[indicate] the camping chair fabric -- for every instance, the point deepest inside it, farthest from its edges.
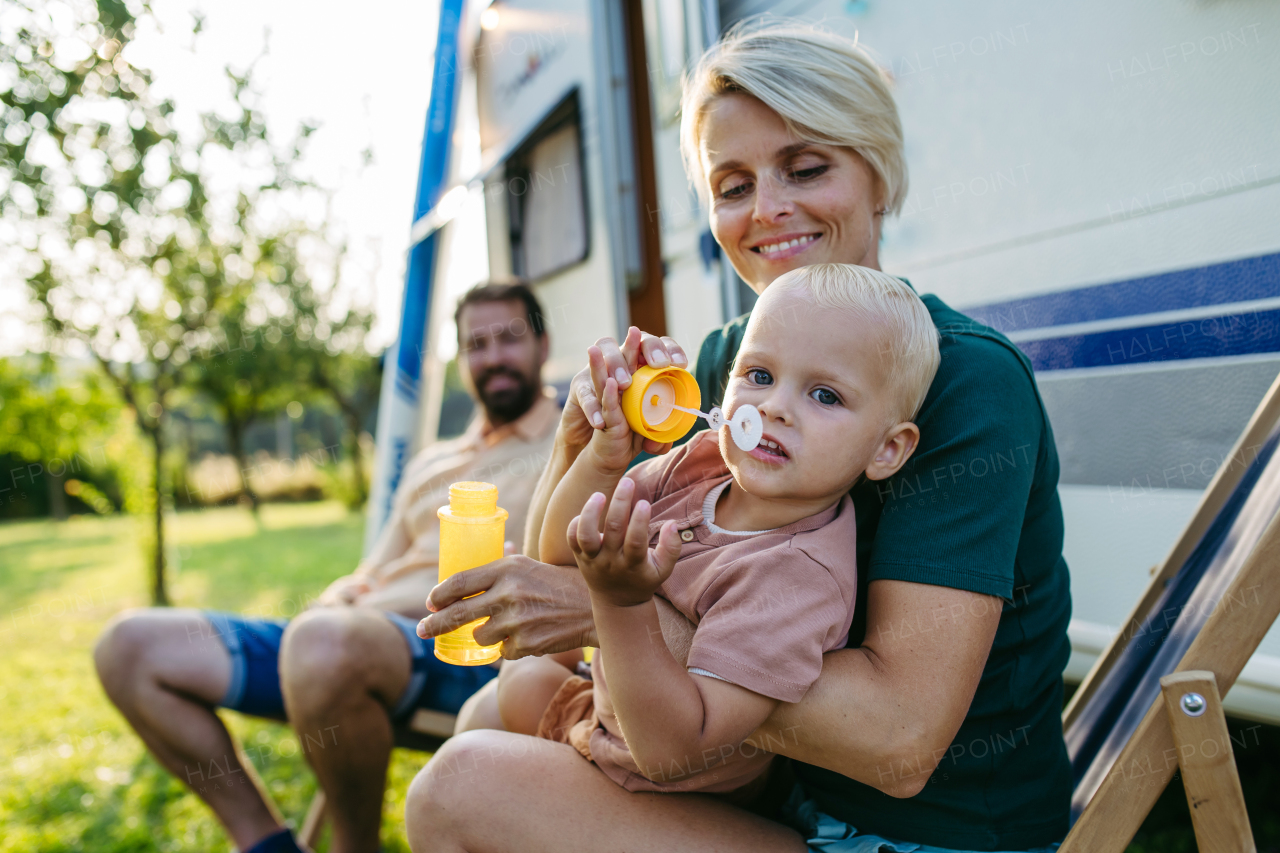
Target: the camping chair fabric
(1132, 685)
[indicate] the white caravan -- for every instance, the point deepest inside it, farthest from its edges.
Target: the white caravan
(1098, 180)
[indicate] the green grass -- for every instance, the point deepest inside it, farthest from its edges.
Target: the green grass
(76, 778)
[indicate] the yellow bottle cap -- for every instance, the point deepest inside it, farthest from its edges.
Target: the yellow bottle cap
(472, 499)
(649, 403)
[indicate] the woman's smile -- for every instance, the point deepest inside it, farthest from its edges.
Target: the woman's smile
(785, 246)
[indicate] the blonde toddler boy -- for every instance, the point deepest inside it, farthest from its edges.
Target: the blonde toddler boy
(755, 548)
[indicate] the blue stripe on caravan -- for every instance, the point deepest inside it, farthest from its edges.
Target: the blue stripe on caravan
(413, 317)
(1232, 334)
(1216, 284)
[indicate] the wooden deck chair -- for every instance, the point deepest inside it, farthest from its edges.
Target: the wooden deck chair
(425, 732)
(1151, 704)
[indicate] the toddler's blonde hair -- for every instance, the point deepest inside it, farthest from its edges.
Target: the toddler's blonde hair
(909, 343)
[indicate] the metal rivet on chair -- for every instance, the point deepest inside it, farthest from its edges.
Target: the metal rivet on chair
(1193, 704)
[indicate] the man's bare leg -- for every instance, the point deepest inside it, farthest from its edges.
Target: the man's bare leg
(165, 670)
(463, 802)
(341, 670)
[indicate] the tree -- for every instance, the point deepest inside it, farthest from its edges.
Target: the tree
(255, 369)
(318, 343)
(133, 255)
(342, 369)
(241, 384)
(56, 425)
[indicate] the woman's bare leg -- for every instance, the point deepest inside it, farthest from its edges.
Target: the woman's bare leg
(487, 791)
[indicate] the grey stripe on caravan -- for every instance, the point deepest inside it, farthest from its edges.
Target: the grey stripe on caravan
(1161, 318)
(1043, 376)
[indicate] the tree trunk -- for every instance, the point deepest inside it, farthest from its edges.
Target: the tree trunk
(57, 492)
(235, 438)
(159, 595)
(357, 459)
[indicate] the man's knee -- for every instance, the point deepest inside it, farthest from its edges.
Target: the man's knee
(122, 649)
(332, 650)
(160, 647)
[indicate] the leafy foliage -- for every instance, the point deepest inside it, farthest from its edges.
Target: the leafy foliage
(60, 427)
(154, 252)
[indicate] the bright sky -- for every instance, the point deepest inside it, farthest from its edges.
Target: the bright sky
(363, 75)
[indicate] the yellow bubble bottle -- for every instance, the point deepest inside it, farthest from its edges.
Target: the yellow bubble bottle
(472, 528)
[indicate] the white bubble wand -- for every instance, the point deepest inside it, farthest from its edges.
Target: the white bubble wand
(745, 427)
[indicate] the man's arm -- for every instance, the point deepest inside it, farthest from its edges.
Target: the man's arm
(406, 594)
(392, 544)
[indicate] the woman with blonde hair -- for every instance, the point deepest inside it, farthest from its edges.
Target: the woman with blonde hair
(937, 729)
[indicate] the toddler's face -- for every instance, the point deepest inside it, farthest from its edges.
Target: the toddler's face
(818, 378)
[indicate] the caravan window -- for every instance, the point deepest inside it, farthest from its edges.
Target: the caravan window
(546, 196)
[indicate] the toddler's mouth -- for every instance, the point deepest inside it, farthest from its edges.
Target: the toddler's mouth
(770, 450)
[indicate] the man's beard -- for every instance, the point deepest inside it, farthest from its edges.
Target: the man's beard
(506, 405)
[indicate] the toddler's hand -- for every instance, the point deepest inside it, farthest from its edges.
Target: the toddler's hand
(618, 565)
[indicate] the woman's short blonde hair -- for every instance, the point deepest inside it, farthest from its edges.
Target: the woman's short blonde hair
(909, 343)
(825, 87)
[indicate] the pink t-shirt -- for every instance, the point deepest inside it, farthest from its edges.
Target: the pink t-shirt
(766, 607)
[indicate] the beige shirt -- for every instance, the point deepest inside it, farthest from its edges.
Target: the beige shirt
(511, 457)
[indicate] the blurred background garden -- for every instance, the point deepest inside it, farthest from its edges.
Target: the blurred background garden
(193, 292)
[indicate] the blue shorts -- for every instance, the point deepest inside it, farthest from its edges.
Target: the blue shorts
(254, 689)
(826, 834)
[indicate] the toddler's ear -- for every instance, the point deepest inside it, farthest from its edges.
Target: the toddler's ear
(899, 443)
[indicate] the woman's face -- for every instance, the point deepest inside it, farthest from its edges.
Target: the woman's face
(779, 203)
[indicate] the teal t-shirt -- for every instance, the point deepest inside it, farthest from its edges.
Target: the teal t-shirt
(975, 508)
